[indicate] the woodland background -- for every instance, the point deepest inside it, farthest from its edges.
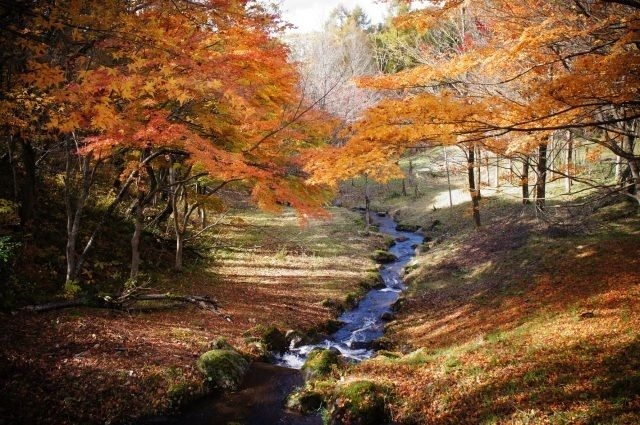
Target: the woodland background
(156, 153)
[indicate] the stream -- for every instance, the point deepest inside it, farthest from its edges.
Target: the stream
(261, 398)
(364, 324)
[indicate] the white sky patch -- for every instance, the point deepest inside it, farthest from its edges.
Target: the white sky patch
(310, 15)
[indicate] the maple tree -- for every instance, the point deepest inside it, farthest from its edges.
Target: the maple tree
(205, 80)
(509, 76)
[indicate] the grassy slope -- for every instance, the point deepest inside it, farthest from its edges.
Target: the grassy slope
(92, 366)
(518, 322)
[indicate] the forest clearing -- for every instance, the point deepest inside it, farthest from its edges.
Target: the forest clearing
(206, 218)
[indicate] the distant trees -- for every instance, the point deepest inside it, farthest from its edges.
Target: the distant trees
(514, 79)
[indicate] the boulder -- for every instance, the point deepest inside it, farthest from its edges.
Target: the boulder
(223, 369)
(407, 228)
(294, 338)
(360, 403)
(387, 316)
(320, 362)
(305, 401)
(383, 257)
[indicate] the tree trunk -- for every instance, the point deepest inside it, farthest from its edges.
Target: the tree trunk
(446, 167)
(11, 147)
(475, 193)
(496, 177)
(367, 203)
(568, 182)
(404, 187)
(541, 181)
(478, 168)
(137, 236)
(28, 201)
(75, 203)
(524, 181)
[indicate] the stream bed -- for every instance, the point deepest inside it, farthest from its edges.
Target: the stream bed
(261, 398)
(364, 324)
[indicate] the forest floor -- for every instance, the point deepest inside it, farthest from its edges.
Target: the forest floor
(90, 366)
(531, 319)
(525, 320)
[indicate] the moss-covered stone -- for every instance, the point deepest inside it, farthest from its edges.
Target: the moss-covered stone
(220, 343)
(372, 280)
(383, 257)
(320, 362)
(258, 351)
(223, 369)
(360, 403)
(275, 340)
(273, 337)
(305, 401)
(407, 228)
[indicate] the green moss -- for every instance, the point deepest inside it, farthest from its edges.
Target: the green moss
(361, 403)
(320, 363)
(383, 257)
(273, 337)
(305, 401)
(223, 369)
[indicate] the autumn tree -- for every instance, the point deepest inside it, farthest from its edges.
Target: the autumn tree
(208, 80)
(512, 75)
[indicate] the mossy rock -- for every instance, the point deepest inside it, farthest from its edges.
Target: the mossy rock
(305, 401)
(220, 343)
(360, 403)
(372, 280)
(331, 326)
(320, 362)
(273, 337)
(383, 257)
(407, 228)
(259, 351)
(223, 369)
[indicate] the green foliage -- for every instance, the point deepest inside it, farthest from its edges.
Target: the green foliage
(8, 252)
(72, 289)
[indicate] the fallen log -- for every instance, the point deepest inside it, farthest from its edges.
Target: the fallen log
(125, 302)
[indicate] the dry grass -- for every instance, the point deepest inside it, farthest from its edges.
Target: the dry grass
(519, 322)
(96, 366)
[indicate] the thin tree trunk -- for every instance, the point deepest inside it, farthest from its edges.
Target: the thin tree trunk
(524, 181)
(12, 164)
(28, 200)
(478, 168)
(475, 198)
(542, 176)
(634, 166)
(568, 182)
(446, 167)
(137, 236)
(75, 204)
(496, 177)
(367, 203)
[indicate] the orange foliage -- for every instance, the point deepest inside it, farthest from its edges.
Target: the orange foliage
(498, 71)
(207, 77)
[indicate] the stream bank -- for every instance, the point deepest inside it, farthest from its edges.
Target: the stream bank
(262, 396)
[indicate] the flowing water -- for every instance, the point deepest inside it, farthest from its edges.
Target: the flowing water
(260, 400)
(364, 324)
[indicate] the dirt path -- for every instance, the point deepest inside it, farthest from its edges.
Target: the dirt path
(260, 401)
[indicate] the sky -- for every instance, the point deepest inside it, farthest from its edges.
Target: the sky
(310, 15)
